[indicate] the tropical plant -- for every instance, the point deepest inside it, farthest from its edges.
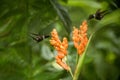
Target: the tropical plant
(21, 58)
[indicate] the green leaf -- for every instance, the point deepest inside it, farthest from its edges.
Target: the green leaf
(84, 3)
(46, 53)
(62, 13)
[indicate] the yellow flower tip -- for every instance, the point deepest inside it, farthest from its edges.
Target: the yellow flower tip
(74, 27)
(65, 39)
(65, 43)
(54, 30)
(84, 22)
(83, 27)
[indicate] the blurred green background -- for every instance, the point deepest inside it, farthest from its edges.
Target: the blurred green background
(21, 58)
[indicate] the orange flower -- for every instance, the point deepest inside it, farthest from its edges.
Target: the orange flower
(61, 48)
(80, 37)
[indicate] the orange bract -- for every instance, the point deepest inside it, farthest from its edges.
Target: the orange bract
(80, 37)
(61, 47)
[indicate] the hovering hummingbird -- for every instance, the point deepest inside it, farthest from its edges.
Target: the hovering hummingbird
(98, 15)
(38, 37)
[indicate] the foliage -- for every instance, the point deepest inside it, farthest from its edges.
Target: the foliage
(21, 58)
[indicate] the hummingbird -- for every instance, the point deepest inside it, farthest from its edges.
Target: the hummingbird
(39, 38)
(98, 15)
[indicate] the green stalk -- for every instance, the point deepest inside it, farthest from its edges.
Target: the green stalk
(80, 62)
(71, 73)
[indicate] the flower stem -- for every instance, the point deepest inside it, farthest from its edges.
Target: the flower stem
(78, 67)
(71, 73)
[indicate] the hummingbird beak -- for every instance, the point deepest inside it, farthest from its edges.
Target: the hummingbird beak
(35, 37)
